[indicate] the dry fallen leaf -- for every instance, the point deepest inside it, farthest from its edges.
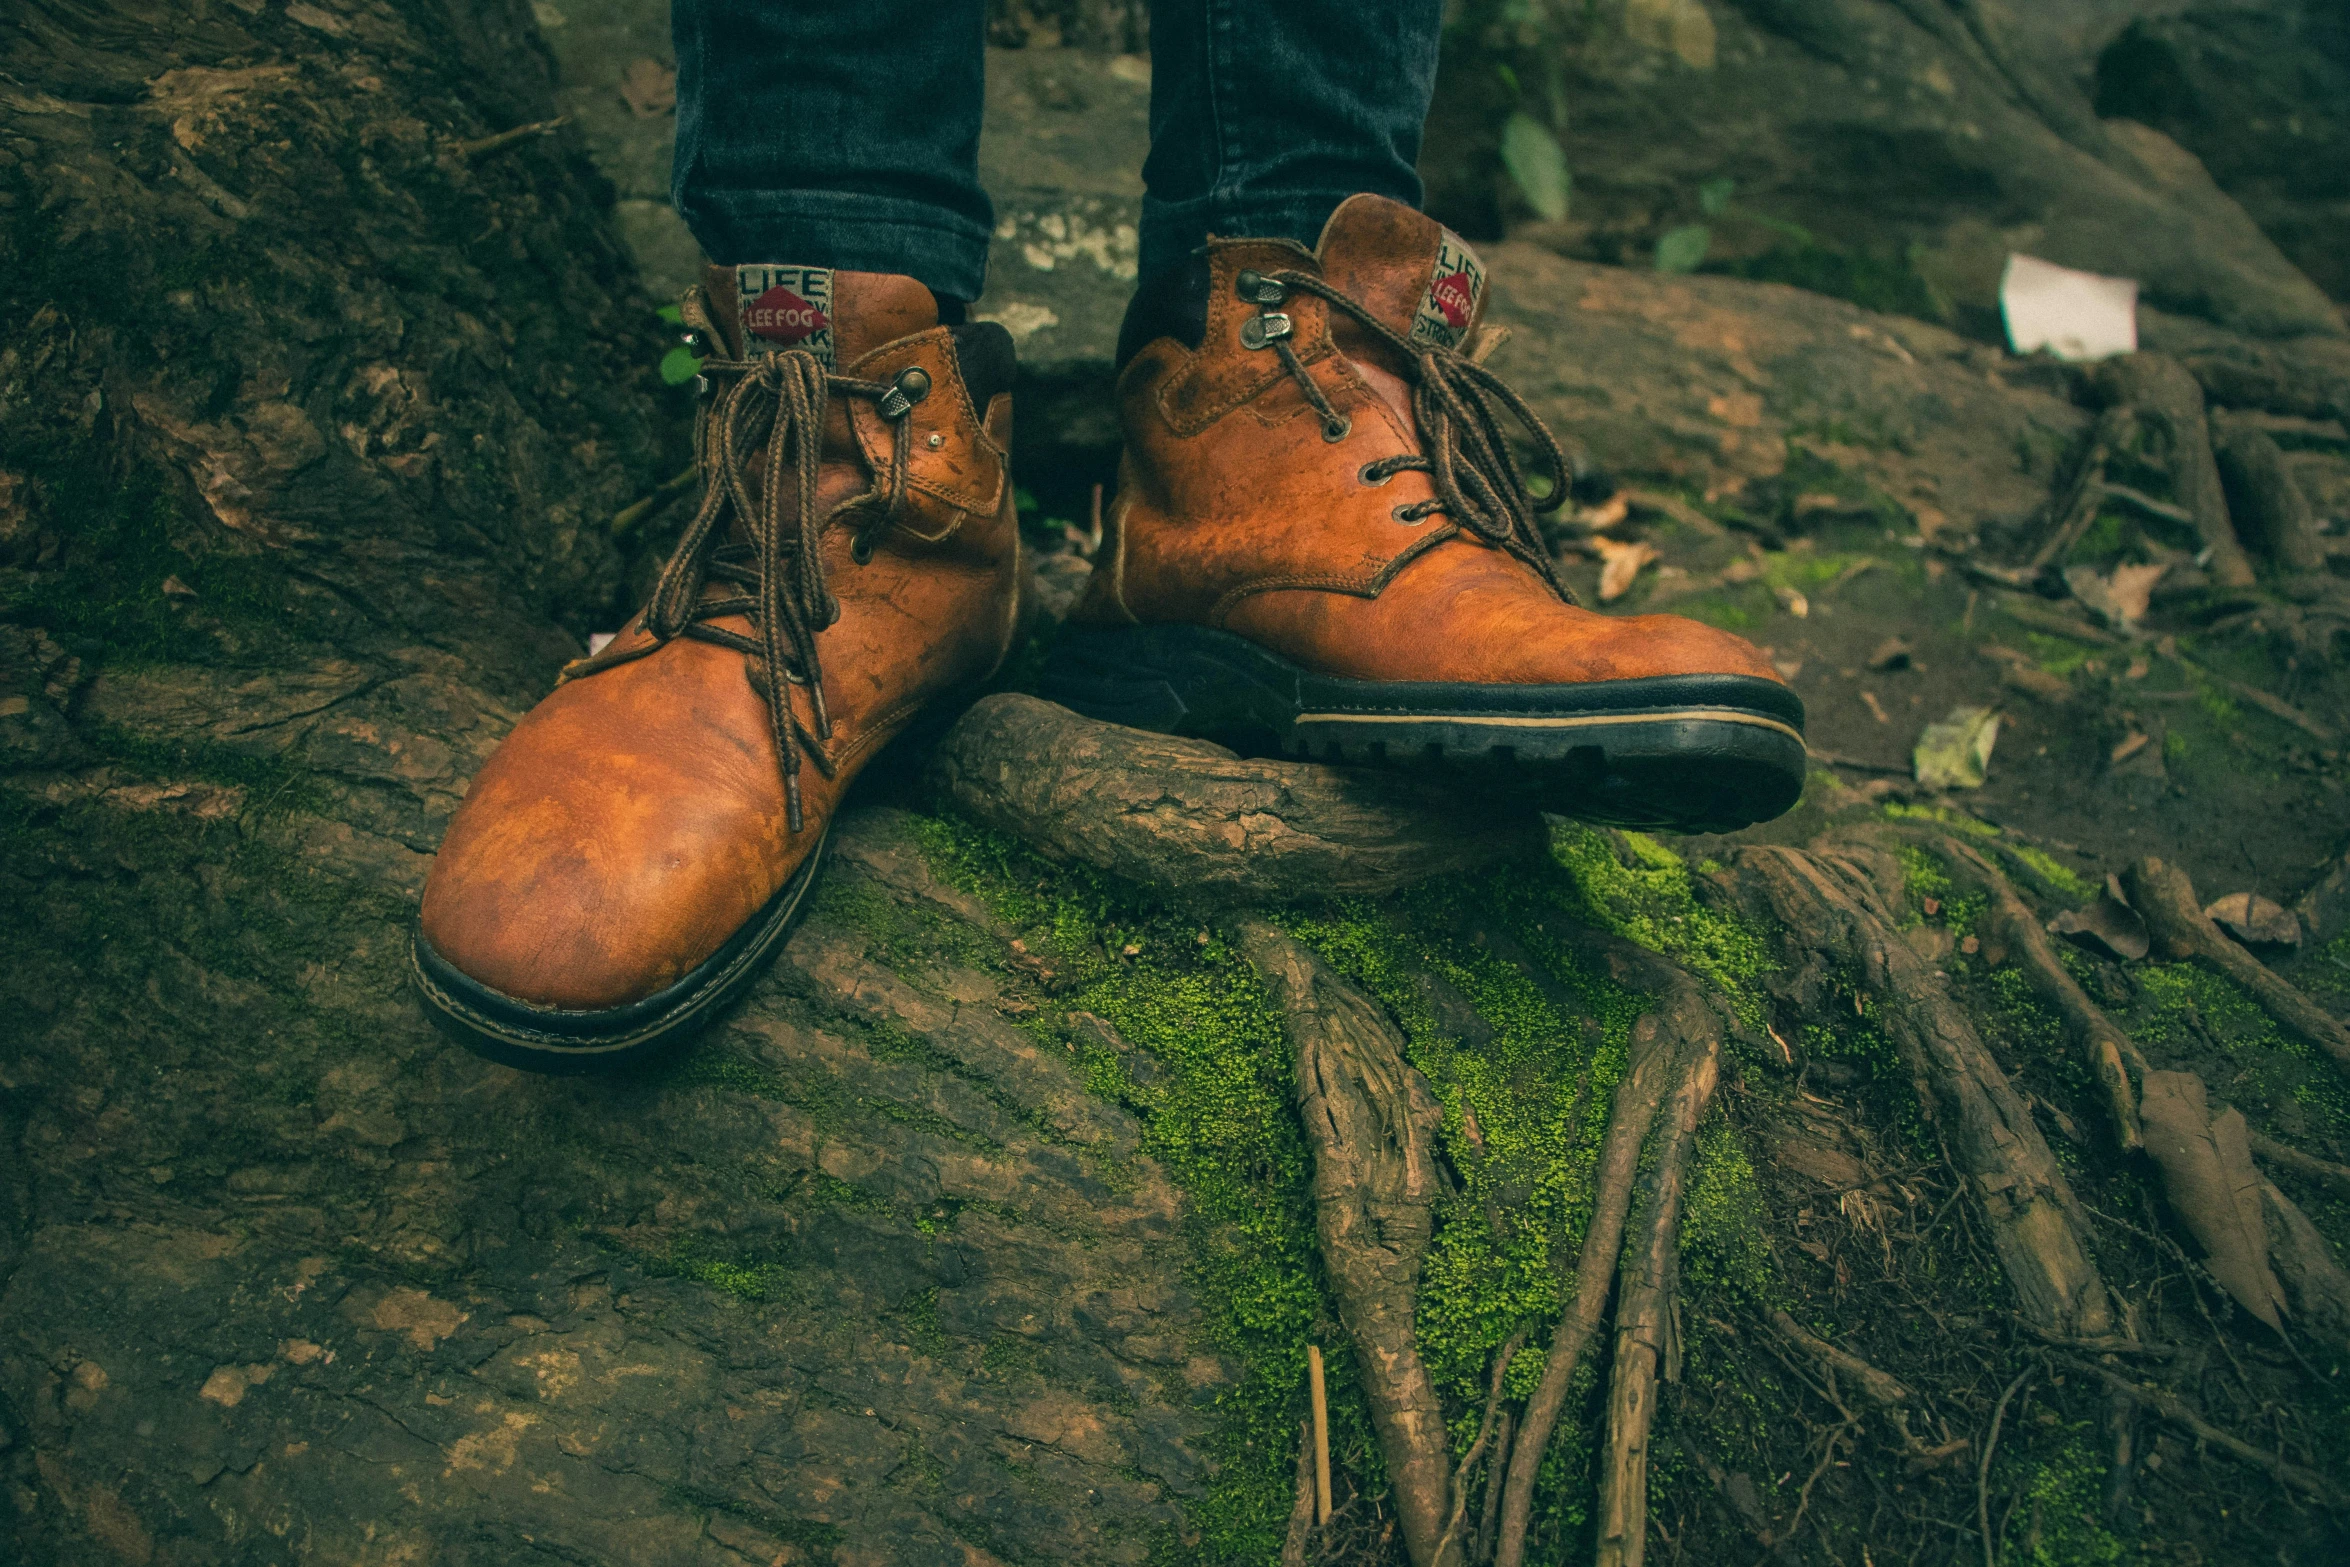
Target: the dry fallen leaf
(2130, 745)
(2119, 598)
(2206, 1164)
(1892, 653)
(1876, 708)
(1622, 565)
(2109, 926)
(650, 88)
(173, 588)
(1607, 513)
(2255, 921)
(1792, 602)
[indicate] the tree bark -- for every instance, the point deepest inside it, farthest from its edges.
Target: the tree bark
(2261, 492)
(1204, 824)
(1371, 1123)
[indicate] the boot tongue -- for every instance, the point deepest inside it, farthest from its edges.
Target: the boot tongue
(837, 316)
(1417, 276)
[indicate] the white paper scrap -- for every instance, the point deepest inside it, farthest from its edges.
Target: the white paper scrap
(599, 640)
(2074, 315)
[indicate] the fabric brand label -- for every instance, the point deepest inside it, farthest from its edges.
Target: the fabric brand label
(786, 307)
(1454, 287)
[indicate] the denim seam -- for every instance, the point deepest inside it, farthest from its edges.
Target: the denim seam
(1231, 154)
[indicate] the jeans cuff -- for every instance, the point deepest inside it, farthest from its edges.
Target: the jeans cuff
(1171, 231)
(848, 231)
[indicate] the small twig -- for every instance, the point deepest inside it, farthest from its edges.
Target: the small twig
(637, 511)
(2293, 1159)
(1460, 1476)
(1786, 1536)
(2182, 1414)
(1854, 764)
(1885, 1391)
(473, 151)
(2079, 506)
(1983, 1470)
(1301, 1514)
(1321, 1398)
(2121, 1420)
(2278, 708)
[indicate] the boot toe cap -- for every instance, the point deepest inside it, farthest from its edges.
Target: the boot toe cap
(571, 890)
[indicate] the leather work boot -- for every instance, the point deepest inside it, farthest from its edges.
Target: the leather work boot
(639, 846)
(1322, 545)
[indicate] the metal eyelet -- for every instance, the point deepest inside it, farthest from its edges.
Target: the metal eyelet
(1415, 517)
(937, 440)
(911, 386)
(1364, 474)
(1259, 289)
(861, 550)
(1338, 429)
(1258, 331)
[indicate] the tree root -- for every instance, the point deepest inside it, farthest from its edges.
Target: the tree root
(1371, 1123)
(2180, 1413)
(2164, 896)
(1887, 1392)
(1672, 1048)
(1644, 1319)
(2014, 927)
(2335, 1175)
(1468, 1463)
(1835, 906)
(1202, 823)
(2161, 392)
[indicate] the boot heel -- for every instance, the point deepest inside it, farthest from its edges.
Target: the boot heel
(1115, 677)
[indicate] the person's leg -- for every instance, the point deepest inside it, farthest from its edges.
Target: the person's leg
(1264, 119)
(830, 135)
(1324, 537)
(644, 839)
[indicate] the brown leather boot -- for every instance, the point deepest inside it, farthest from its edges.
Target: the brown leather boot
(1321, 544)
(641, 843)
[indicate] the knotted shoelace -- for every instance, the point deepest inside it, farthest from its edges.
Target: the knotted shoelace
(1465, 450)
(772, 569)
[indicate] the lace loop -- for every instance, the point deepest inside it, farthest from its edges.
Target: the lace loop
(1466, 450)
(762, 552)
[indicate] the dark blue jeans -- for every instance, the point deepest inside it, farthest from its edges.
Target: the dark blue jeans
(845, 133)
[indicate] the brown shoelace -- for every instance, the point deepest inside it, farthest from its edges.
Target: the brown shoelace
(772, 568)
(1459, 404)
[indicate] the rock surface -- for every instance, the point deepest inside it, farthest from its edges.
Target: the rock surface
(1911, 146)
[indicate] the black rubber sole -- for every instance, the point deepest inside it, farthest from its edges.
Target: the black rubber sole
(1686, 753)
(544, 1039)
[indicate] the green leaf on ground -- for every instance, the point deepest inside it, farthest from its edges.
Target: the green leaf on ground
(1683, 249)
(1713, 197)
(679, 366)
(1537, 163)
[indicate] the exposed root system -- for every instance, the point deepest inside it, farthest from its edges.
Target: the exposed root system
(2164, 895)
(1836, 927)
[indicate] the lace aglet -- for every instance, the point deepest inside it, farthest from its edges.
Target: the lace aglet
(791, 803)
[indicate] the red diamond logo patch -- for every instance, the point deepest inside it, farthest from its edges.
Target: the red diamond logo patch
(781, 316)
